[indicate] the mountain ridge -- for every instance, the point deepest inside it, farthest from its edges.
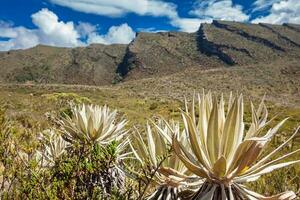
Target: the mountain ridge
(216, 45)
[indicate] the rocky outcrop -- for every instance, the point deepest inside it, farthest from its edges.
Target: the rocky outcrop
(211, 48)
(281, 36)
(159, 54)
(295, 27)
(259, 40)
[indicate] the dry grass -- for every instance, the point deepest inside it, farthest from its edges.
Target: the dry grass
(147, 98)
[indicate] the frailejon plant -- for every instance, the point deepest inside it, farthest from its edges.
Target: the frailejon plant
(93, 124)
(224, 154)
(90, 127)
(54, 146)
(170, 176)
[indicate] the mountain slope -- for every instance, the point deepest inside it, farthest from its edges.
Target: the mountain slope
(280, 81)
(162, 54)
(217, 45)
(92, 65)
(238, 43)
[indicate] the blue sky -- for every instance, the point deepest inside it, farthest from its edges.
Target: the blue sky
(71, 23)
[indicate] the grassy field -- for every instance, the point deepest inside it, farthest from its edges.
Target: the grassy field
(28, 105)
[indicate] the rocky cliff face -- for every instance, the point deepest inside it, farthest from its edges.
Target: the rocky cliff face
(220, 44)
(242, 44)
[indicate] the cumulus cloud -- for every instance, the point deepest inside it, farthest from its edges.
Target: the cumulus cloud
(85, 29)
(18, 38)
(260, 5)
(116, 8)
(122, 34)
(51, 31)
(219, 9)
(208, 10)
(285, 11)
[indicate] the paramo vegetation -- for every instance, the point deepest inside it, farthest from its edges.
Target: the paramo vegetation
(88, 151)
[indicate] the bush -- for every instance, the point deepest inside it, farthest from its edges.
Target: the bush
(117, 79)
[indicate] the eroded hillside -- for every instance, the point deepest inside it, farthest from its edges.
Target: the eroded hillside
(217, 45)
(92, 65)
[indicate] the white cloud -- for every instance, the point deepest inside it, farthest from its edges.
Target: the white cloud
(208, 10)
(6, 31)
(122, 34)
(5, 24)
(285, 11)
(116, 8)
(151, 30)
(219, 9)
(260, 5)
(84, 29)
(189, 24)
(51, 31)
(18, 38)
